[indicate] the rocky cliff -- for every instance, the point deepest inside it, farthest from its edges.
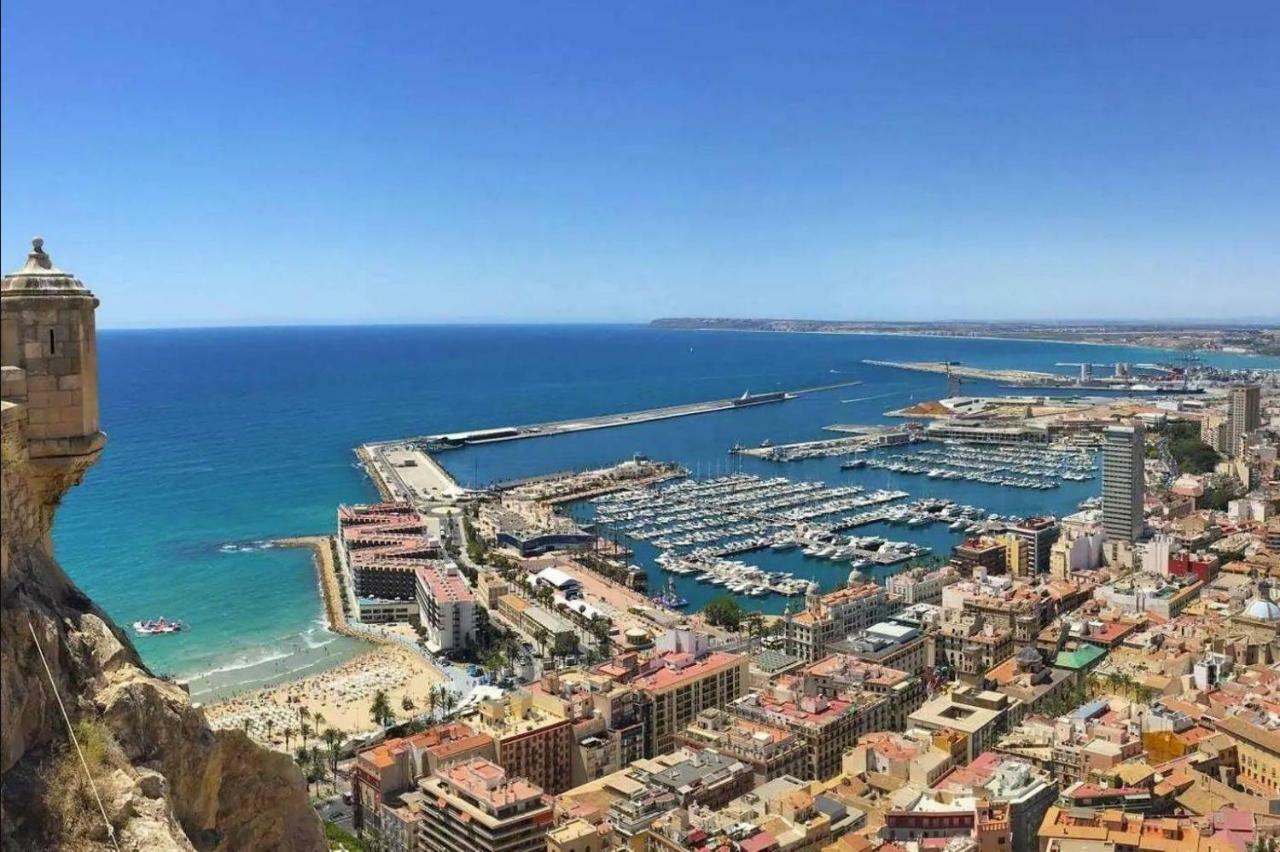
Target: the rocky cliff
(165, 779)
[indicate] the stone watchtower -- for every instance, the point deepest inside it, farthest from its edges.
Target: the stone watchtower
(49, 355)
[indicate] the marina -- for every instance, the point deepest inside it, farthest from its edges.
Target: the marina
(1025, 467)
(696, 525)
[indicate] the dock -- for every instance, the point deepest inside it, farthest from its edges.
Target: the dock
(856, 438)
(608, 421)
(1017, 378)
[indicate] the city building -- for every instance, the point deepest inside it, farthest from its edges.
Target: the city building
(1024, 792)
(1258, 751)
(1244, 416)
(898, 643)
(576, 835)
(970, 645)
(1152, 593)
(552, 629)
(987, 553)
(533, 537)
(1123, 486)
(475, 806)
(1026, 678)
(920, 585)
(675, 686)
(1037, 536)
(380, 547)
(1089, 829)
(981, 716)
(529, 742)
(840, 673)
(909, 756)
(607, 717)
(446, 608)
(770, 751)
(831, 618)
(1215, 431)
(827, 726)
(394, 766)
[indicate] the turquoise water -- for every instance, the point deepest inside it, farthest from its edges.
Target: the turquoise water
(221, 440)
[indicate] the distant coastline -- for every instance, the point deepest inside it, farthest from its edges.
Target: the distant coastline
(1261, 340)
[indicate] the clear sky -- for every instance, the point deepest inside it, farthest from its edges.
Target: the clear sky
(204, 163)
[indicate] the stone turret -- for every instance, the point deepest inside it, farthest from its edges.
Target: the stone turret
(167, 781)
(49, 355)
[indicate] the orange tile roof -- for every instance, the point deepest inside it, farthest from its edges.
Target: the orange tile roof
(666, 677)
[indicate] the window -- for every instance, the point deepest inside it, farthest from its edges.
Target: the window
(51, 344)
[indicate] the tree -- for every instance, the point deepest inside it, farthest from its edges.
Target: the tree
(332, 739)
(271, 723)
(406, 703)
(540, 635)
(303, 715)
(380, 709)
(288, 734)
(565, 644)
(599, 629)
(724, 612)
(755, 625)
(305, 730)
(493, 661)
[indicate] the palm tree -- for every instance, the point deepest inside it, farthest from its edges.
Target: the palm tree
(433, 699)
(316, 769)
(450, 702)
(244, 723)
(406, 703)
(380, 709)
(541, 636)
(303, 715)
(305, 730)
(317, 719)
(755, 626)
(288, 734)
(271, 723)
(332, 739)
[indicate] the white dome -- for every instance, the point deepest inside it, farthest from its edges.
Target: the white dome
(1260, 610)
(855, 577)
(814, 588)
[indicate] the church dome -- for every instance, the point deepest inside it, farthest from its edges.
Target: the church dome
(855, 577)
(1262, 610)
(814, 588)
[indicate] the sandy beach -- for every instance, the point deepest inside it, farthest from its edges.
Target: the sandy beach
(340, 696)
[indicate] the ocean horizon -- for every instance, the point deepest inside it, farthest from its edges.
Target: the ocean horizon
(223, 440)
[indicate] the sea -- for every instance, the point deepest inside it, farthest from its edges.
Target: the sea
(221, 441)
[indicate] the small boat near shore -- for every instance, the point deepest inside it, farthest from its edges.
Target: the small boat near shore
(157, 626)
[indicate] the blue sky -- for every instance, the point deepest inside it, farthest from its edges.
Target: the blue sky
(213, 163)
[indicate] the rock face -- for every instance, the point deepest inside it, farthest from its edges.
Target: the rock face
(165, 779)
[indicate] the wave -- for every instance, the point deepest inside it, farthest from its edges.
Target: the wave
(255, 682)
(241, 663)
(246, 546)
(306, 639)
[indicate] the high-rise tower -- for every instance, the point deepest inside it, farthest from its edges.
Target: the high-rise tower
(1122, 482)
(1244, 415)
